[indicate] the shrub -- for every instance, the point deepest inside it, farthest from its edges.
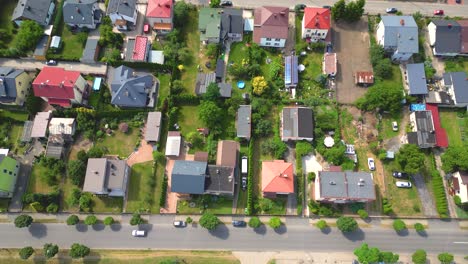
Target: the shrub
(189, 220)
(419, 227)
(91, 220)
(311, 177)
(346, 224)
(255, 222)
(457, 200)
(50, 250)
(445, 258)
(162, 198)
(363, 213)
(73, 220)
(52, 208)
(250, 186)
(209, 221)
(23, 221)
(275, 222)
(136, 219)
(26, 252)
(108, 221)
(321, 224)
(399, 225)
(387, 207)
(79, 251)
(419, 257)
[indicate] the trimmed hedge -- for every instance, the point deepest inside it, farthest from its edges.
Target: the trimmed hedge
(185, 99)
(250, 198)
(144, 65)
(438, 190)
(162, 199)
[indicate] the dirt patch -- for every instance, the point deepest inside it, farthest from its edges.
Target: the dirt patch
(81, 143)
(351, 43)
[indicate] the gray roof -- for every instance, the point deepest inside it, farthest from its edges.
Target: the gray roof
(55, 146)
(448, 36)
(78, 11)
(244, 118)
(41, 46)
(347, 185)
(298, 122)
(32, 9)
(188, 177)
(220, 180)
(41, 122)
(129, 90)
(416, 78)
(89, 52)
(203, 81)
(231, 22)
(124, 7)
(106, 176)
(27, 129)
(424, 137)
(95, 176)
(220, 66)
(8, 84)
(130, 48)
(401, 32)
(117, 177)
(459, 82)
(153, 126)
(225, 89)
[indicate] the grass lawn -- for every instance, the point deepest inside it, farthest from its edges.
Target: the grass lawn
(5, 18)
(4, 205)
(138, 188)
(222, 206)
(119, 143)
(107, 204)
(18, 116)
(348, 129)
(279, 206)
(72, 45)
(461, 213)
(386, 130)
(451, 123)
(36, 185)
(66, 187)
(164, 80)
(94, 98)
(396, 77)
(190, 31)
(459, 64)
(188, 119)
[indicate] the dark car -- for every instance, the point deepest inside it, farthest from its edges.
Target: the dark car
(239, 223)
(225, 3)
(399, 174)
(300, 7)
(327, 7)
(244, 183)
(329, 48)
(391, 10)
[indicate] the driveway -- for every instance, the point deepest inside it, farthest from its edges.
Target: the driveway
(428, 204)
(291, 204)
(291, 41)
(171, 197)
(437, 62)
(144, 153)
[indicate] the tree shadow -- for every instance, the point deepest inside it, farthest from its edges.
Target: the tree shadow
(357, 235)
(367, 220)
(147, 227)
(221, 232)
(98, 227)
(403, 232)
(326, 230)
(194, 225)
(93, 258)
(38, 230)
(116, 227)
(261, 230)
(422, 233)
(81, 227)
(281, 230)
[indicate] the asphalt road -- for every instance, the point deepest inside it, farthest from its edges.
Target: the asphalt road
(297, 235)
(32, 65)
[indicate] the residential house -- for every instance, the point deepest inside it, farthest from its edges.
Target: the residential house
(459, 185)
(173, 143)
(297, 123)
(227, 152)
(330, 64)
(364, 78)
(444, 37)
(440, 133)
(225, 90)
(40, 11)
(316, 23)
(209, 20)
(123, 13)
(14, 86)
(91, 51)
(160, 14)
(105, 176)
(203, 81)
(344, 187)
(138, 49)
(82, 13)
(415, 79)
(132, 90)
(220, 180)
(153, 127)
(456, 84)
(277, 178)
(9, 168)
(271, 26)
(291, 73)
(398, 35)
(232, 25)
(220, 69)
(65, 127)
(40, 124)
(244, 121)
(188, 177)
(464, 36)
(422, 129)
(60, 87)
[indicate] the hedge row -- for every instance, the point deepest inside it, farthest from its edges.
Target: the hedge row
(62, 57)
(439, 190)
(186, 99)
(162, 199)
(58, 18)
(250, 187)
(144, 65)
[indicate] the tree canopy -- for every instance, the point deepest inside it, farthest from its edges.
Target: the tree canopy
(108, 220)
(259, 85)
(136, 219)
(26, 252)
(29, 33)
(445, 258)
(209, 221)
(79, 250)
(346, 224)
(384, 97)
(23, 221)
(455, 158)
(399, 225)
(73, 220)
(210, 114)
(419, 257)
(410, 158)
(255, 222)
(275, 222)
(76, 171)
(50, 250)
(367, 254)
(212, 92)
(91, 220)
(350, 12)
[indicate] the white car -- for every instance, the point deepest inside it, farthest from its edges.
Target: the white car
(138, 233)
(180, 224)
(403, 184)
(395, 126)
(371, 164)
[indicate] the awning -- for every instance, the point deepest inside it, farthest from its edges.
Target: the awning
(329, 142)
(61, 102)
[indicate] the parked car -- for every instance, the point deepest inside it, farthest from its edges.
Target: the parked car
(51, 62)
(402, 184)
(225, 3)
(439, 12)
(399, 174)
(138, 233)
(371, 164)
(394, 126)
(458, 1)
(180, 224)
(244, 183)
(391, 10)
(327, 7)
(146, 28)
(300, 7)
(329, 48)
(239, 223)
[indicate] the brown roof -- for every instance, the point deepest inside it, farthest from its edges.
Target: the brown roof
(201, 156)
(329, 60)
(270, 22)
(335, 168)
(227, 153)
(173, 134)
(456, 184)
(364, 77)
(464, 35)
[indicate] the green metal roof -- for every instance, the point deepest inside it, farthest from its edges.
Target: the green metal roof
(209, 21)
(8, 173)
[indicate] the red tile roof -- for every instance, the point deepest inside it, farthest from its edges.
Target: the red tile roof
(440, 133)
(464, 35)
(139, 51)
(277, 177)
(159, 8)
(271, 22)
(317, 18)
(55, 82)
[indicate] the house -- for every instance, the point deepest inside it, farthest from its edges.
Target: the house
(82, 13)
(464, 36)
(60, 87)
(153, 127)
(440, 133)
(209, 20)
(188, 177)
(423, 131)
(459, 185)
(244, 121)
(364, 78)
(14, 86)
(138, 49)
(220, 69)
(123, 13)
(64, 127)
(456, 84)
(277, 178)
(160, 14)
(91, 51)
(232, 25)
(271, 26)
(220, 180)
(227, 152)
(203, 81)
(291, 73)
(105, 176)
(445, 37)
(40, 11)
(316, 23)
(225, 90)
(132, 90)
(297, 123)
(9, 168)
(398, 35)
(329, 64)
(173, 143)
(344, 187)
(40, 124)
(415, 79)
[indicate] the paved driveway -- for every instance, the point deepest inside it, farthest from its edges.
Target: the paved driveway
(428, 204)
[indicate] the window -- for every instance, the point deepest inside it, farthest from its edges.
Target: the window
(268, 39)
(268, 43)
(276, 44)
(277, 39)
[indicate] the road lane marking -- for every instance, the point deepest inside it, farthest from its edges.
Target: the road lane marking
(459, 242)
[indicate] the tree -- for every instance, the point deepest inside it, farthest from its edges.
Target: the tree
(321, 224)
(76, 171)
(29, 33)
(195, 138)
(259, 85)
(255, 222)
(95, 152)
(354, 10)
(210, 114)
(399, 225)
(85, 201)
(212, 50)
(50, 250)
(108, 221)
(266, 204)
(338, 10)
(389, 257)
(346, 224)
(136, 219)
(363, 213)
(410, 158)
(419, 257)
(214, 3)
(91, 220)
(383, 69)
(23, 221)
(209, 221)
(189, 220)
(26, 252)
(445, 258)
(52, 208)
(33, 104)
(177, 87)
(367, 254)
(181, 9)
(419, 227)
(275, 222)
(79, 250)
(73, 220)
(74, 198)
(381, 96)
(263, 128)
(455, 158)
(212, 92)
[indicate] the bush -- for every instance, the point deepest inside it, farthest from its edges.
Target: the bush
(346, 224)
(162, 198)
(275, 222)
(23, 221)
(52, 208)
(108, 221)
(255, 222)
(321, 224)
(250, 185)
(419, 227)
(50, 250)
(209, 221)
(387, 207)
(26, 252)
(73, 220)
(419, 257)
(311, 177)
(399, 225)
(85, 201)
(363, 213)
(136, 220)
(457, 200)
(189, 220)
(91, 220)
(79, 251)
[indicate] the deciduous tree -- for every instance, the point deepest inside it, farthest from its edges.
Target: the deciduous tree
(275, 222)
(79, 250)
(136, 219)
(419, 257)
(23, 221)
(445, 258)
(455, 158)
(346, 224)
(73, 220)
(410, 158)
(209, 221)
(255, 222)
(50, 250)
(29, 33)
(91, 220)
(259, 85)
(108, 221)
(26, 252)
(399, 225)
(210, 114)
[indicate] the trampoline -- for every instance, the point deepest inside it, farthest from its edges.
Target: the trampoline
(241, 84)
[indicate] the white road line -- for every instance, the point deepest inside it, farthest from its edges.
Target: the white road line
(458, 242)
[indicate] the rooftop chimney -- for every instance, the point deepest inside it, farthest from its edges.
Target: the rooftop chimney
(402, 22)
(332, 183)
(282, 13)
(449, 26)
(77, 10)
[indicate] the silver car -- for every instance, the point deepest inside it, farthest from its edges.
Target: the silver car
(403, 184)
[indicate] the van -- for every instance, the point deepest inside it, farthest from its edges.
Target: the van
(244, 166)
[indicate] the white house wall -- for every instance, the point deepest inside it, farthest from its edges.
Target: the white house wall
(272, 42)
(431, 28)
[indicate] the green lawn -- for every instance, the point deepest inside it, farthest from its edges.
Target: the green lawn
(18, 116)
(279, 206)
(222, 206)
(190, 32)
(94, 98)
(4, 205)
(5, 19)
(36, 185)
(461, 213)
(451, 123)
(138, 188)
(66, 188)
(188, 119)
(119, 143)
(107, 204)
(454, 65)
(164, 80)
(386, 130)
(72, 43)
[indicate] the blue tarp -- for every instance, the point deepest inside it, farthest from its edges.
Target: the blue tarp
(97, 84)
(417, 107)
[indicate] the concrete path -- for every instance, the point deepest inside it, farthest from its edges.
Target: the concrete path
(144, 153)
(427, 202)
